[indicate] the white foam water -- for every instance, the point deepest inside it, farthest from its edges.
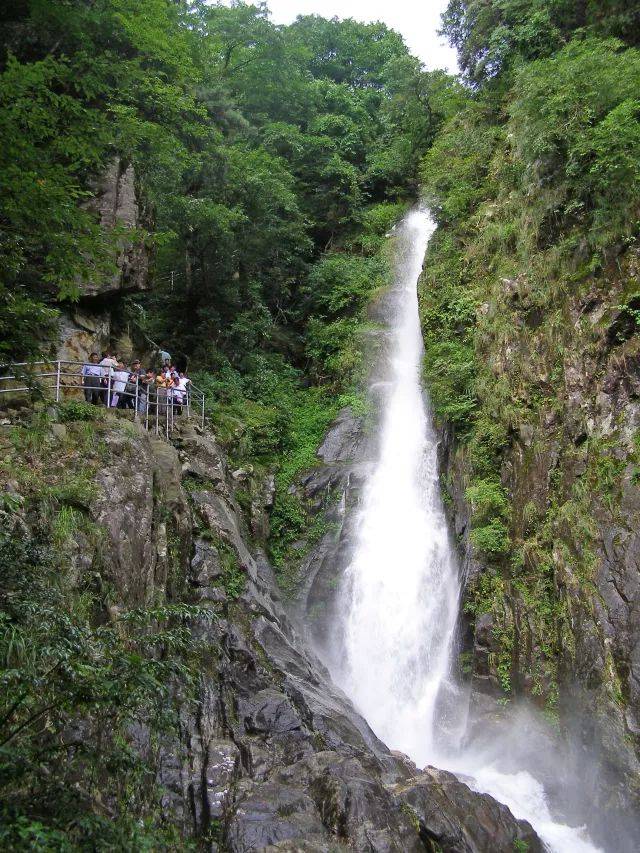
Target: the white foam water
(401, 591)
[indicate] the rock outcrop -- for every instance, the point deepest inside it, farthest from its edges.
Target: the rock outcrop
(89, 325)
(564, 625)
(268, 754)
(117, 207)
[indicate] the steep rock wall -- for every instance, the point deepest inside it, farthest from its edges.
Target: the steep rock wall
(266, 753)
(89, 325)
(557, 621)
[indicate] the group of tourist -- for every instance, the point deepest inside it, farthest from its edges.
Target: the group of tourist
(109, 382)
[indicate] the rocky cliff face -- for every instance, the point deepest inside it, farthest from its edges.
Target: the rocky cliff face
(560, 624)
(267, 754)
(556, 621)
(90, 325)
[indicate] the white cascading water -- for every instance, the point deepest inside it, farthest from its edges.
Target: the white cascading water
(401, 591)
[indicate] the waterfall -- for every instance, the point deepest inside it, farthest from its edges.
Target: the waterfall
(401, 590)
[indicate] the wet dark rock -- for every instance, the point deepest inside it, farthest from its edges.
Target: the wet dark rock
(267, 754)
(271, 813)
(461, 821)
(206, 566)
(269, 711)
(485, 646)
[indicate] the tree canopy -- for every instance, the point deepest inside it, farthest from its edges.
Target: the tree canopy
(256, 147)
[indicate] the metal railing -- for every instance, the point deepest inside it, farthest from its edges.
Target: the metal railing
(158, 407)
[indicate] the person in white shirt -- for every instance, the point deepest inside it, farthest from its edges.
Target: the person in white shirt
(119, 380)
(177, 395)
(108, 365)
(183, 382)
(91, 379)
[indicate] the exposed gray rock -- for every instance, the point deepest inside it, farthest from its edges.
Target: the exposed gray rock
(59, 431)
(81, 333)
(343, 440)
(267, 754)
(206, 567)
(116, 205)
(461, 821)
(90, 326)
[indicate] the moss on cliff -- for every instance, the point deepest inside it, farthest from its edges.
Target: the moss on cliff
(528, 312)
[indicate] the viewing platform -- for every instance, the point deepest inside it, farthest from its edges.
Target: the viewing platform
(157, 407)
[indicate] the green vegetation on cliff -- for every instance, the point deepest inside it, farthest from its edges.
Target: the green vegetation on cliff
(535, 185)
(79, 670)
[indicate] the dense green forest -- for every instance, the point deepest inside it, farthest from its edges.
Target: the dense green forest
(270, 162)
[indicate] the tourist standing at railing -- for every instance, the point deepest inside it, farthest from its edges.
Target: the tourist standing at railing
(127, 400)
(108, 365)
(183, 385)
(161, 393)
(127, 397)
(92, 379)
(147, 392)
(119, 380)
(176, 395)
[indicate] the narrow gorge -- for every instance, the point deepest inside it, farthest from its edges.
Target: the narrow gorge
(392, 636)
(378, 591)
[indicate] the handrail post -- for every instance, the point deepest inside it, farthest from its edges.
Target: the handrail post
(135, 413)
(203, 411)
(58, 381)
(109, 388)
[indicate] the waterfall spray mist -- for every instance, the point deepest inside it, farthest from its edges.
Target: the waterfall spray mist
(401, 590)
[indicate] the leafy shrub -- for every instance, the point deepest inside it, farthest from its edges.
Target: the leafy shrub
(333, 349)
(455, 171)
(288, 523)
(490, 510)
(234, 580)
(487, 499)
(491, 539)
(78, 410)
(575, 120)
(341, 282)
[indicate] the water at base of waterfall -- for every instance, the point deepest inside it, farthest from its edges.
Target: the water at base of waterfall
(401, 591)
